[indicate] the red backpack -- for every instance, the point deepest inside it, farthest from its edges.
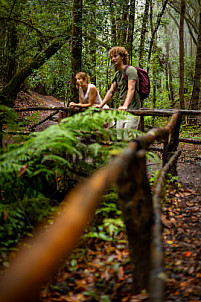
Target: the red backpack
(144, 82)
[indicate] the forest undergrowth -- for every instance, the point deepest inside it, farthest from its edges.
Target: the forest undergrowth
(99, 268)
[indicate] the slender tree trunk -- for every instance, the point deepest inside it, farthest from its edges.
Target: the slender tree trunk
(143, 33)
(197, 76)
(76, 47)
(169, 71)
(113, 24)
(124, 24)
(12, 46)
(93, 47)
(154, 71)
(131, 30)
(181, 54)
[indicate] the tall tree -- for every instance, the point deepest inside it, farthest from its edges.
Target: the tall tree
(154, 68)
(197, 76)
(181, 54)
(124, 24)
(76, 47)
(131, 29)
(143, 33)
(113, 23)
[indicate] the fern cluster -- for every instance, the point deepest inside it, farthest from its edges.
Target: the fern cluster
(71, 149)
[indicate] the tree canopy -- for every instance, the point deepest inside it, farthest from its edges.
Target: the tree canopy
(83, 31)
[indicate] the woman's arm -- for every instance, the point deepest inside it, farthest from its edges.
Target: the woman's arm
(92, 97)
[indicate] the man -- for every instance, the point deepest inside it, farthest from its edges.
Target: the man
(128, 89)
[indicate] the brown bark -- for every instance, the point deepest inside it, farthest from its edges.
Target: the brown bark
(124, 24)
(113, 24)
(154, 71)
(136, 204)
(76, 47)
(181, 54)
(131, 27)
(143, 33)
(143, 111)
(197, 76)
(190, 141)
(171, 144)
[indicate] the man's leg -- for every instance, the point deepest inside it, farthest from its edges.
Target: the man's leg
(131, 122)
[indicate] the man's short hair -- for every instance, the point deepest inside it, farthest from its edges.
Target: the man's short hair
(120, 51)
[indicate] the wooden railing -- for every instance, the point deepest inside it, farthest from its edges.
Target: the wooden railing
(41, 257)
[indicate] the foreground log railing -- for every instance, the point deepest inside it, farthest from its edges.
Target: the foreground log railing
(142, 111)
(40, 258)
(139, 112)
(36, 263)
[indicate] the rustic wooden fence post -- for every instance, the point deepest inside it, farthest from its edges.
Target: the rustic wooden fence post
(171, 144)
(136, 203)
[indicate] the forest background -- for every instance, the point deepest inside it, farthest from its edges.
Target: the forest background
(43, 45)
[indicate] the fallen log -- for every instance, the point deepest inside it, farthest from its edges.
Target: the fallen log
(190, 141)
(43, 120)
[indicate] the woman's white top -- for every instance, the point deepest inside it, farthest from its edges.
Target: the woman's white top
(85, 97)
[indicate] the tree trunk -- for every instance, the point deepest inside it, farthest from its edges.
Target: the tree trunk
(136, 204)
(143, 33)
(169, 71)
(154, 71)
(76, 47)
(124, 25)
(131, 30)
(93, 47)
(113, 24)
(197, 76)
(181, 54)
(9, 92)
(10, 52)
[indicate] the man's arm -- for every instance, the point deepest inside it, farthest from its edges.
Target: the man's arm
(129, 96)
(108, 95)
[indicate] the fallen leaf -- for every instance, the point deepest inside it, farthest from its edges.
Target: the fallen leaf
(187, 254)
(22, 170)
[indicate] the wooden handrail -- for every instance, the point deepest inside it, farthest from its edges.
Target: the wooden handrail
(142, 111)
(42, 255)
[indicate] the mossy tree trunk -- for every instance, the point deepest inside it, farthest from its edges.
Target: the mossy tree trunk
(9, 92)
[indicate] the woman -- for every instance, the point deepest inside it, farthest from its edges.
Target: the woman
(88, 93)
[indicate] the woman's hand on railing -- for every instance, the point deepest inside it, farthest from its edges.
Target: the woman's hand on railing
(72, 105)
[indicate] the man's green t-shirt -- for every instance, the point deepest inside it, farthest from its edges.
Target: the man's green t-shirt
(122, 86)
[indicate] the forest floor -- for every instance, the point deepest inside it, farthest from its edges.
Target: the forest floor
(100, 271)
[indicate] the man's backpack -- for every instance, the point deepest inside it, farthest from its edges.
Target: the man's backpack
(144, 82)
